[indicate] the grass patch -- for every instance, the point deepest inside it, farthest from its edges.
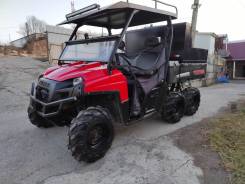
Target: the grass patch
(227, 137)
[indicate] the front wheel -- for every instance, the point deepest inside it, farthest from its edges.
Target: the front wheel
(37, 120)
(91, 134)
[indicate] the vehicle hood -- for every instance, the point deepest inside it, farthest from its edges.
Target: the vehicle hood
(74, 70)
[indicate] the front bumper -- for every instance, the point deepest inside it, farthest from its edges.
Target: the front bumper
(51, 109)
(50, 98)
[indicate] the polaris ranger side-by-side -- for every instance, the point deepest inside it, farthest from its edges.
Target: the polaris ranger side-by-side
(117, 78)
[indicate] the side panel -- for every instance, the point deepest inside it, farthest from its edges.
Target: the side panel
(95, 75)
(110, 101)
(114, 82)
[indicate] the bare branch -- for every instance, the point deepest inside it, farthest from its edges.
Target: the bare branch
(31, 26)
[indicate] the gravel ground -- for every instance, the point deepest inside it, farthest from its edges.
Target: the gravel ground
(142, 153)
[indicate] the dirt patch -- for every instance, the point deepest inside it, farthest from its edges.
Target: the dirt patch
(194, 140)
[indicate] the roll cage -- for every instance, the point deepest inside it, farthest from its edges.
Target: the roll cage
(121, 15)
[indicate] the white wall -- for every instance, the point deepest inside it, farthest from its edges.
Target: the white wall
(205, 41)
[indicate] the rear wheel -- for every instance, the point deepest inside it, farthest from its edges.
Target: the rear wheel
(37, 120)
(91, 134)
(192, 97)
(173, 108)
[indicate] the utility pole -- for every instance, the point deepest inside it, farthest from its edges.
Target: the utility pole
(195, 8)
(72, 6)
(72, 10)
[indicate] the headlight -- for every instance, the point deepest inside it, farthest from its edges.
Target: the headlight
(77, 81)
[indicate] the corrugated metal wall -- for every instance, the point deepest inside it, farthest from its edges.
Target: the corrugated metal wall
(57, 36)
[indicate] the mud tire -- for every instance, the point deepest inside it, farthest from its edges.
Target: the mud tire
(193, 98)
(173, 108)
(37, 120)
(79, 134)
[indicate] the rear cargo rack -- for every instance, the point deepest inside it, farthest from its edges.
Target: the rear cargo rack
(163, 3)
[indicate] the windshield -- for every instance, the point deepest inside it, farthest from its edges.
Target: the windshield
(97, 51)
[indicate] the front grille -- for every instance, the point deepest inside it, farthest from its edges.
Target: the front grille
(60, 95)
(42, 94)
(52, 109)
(49, 90)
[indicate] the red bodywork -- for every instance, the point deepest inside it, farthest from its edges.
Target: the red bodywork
(95, 77)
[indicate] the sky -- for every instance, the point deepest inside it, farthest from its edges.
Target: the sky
(218, 16)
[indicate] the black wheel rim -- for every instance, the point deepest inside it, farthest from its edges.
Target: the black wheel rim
(97, 136)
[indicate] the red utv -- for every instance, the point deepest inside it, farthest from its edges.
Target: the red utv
(117, 78)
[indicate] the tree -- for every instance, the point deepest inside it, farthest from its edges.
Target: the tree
(31, 26)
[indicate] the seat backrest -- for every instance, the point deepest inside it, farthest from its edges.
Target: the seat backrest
(136, 40)
(147, 60)
(148, 57)
(181, 38)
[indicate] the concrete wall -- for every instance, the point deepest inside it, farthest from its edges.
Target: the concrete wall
(56, 37)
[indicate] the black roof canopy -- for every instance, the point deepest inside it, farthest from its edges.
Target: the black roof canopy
(115, 16)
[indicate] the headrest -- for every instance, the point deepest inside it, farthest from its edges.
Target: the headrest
(152, 41)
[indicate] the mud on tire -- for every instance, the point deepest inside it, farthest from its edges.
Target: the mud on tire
(192, 97)
(37, 120)
(173, 108)
(91, 134)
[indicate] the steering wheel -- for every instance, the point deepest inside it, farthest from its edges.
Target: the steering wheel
(126, 69)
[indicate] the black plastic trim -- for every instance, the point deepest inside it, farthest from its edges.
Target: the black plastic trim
(59, 103)
(122, 109)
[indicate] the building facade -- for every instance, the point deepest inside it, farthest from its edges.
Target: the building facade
(236, 61)
(47, 45)
(216, 63)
